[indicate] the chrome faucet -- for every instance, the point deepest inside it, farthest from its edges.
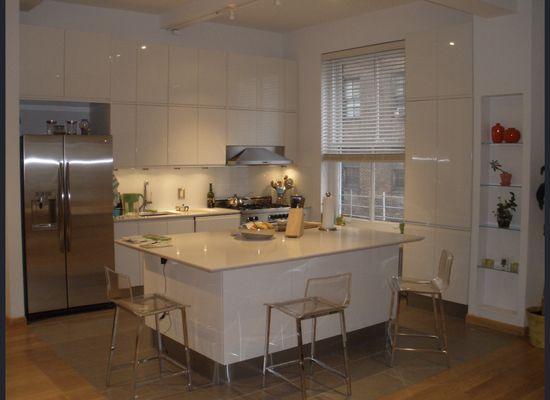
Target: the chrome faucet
(146, 201)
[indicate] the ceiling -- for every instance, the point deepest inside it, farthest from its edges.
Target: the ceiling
(144, 6)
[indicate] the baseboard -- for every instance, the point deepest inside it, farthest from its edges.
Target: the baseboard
(496, 325)
(13, 322)
(425, 302)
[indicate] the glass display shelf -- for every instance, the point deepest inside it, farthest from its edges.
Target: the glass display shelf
(501, 144)
(496, 269)
(495, 226)
(500, 186)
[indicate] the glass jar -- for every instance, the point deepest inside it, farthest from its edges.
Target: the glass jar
(71, 127)
(50, 126)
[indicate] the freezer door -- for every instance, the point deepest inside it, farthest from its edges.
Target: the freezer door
(88, 217)
(45, 277)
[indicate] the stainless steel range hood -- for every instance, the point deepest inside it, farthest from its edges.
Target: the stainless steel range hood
(243, 155)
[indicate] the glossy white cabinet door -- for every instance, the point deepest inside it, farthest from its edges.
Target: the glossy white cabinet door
(127, 261)
(41, 61)
(123, 130)
(218, 223)
(241, 81)
(87, 65)
(458, 243)
(418, 257)
(421, 65)
(454, 162)
(454, 61)
(270, 128)
(123, 70)
(212, 136)
(242, 127)
(291, 135)
(180, 225)
(155, 227)
(152, 73)
(212, 78)
(152, 135)
(183, 75)
(271, 78)
(291, 85)
(182, 136)
(420, 161)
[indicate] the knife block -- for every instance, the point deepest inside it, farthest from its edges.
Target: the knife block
(295, 223)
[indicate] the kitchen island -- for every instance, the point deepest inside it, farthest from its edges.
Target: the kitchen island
(227, 280)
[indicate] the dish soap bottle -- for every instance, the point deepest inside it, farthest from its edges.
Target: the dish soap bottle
(210, 198)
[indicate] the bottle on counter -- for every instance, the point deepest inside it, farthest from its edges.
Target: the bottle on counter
(210, 198)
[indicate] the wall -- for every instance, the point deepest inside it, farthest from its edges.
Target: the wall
(14, 270)
(307, 45)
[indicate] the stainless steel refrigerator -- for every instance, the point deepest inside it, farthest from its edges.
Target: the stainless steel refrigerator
(68, 223)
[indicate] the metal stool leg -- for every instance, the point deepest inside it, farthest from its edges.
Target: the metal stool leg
(301, 358)
(112, 348)
(436, 322)
(136, 358)
(444, 330)
(313, 338)
(159, 342)
(345, 351)
(266, 352)
(186, 344)
(395, 329)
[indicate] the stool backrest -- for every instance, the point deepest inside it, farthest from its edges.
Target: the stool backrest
(336, 289)
(119, 286)
(443, 279)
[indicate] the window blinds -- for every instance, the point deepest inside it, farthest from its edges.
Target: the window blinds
(363, 104)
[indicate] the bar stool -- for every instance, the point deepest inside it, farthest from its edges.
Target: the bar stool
(119, 291)
(323, 296)
(434, 288)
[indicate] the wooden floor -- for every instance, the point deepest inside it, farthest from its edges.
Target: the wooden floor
(515, 372)
(34, 372)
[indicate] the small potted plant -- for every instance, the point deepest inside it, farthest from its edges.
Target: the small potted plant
(504, 211)
(505, 176)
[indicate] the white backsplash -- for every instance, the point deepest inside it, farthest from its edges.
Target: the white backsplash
(164, 183)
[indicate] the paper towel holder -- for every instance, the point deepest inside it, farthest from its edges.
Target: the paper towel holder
(327, 229)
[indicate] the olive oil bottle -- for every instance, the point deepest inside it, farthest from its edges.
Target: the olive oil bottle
(210, 198)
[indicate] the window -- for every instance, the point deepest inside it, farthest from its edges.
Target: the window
(363, 138)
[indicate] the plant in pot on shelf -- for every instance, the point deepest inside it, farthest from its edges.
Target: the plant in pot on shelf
(505, 176)
(504, 211)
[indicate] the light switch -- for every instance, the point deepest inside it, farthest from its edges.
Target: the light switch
(181, 193)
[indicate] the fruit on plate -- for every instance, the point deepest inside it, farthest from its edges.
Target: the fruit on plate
(258, 225)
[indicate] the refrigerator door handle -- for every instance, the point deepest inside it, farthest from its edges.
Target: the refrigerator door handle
(60, 208)
(67, 207)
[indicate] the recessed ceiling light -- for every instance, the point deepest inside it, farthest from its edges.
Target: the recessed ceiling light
(277, 2)
(451, 43)
(143, 47)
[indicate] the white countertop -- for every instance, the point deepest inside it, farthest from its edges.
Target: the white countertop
(192, 213)
(219, 251)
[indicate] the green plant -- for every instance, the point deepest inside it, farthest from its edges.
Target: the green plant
(496, 166)
(504, 210)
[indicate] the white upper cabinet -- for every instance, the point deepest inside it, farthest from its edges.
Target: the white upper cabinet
(212, 78)
(270, 128)
(454, 163)
(152, 73)
(152, 135)
(182, 136)
(87, 65)
(242, 127)
(454, 61)
(242, 82)
(123, 130)
(183, 75)
(421, 161)
(271, 78)
(41, 61)
(212, 132)
(291, 135)
(291, 85)
(421, 65)
(123, 70)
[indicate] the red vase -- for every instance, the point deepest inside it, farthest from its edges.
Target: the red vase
(512, 135)
(505, 179)
(497, 133)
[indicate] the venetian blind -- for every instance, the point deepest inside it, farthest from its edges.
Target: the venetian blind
(363, 103)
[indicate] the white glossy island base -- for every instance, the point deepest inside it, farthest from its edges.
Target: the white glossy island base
(226, 282)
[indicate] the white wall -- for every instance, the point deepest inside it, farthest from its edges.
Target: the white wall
(14, 270)
(307, 45)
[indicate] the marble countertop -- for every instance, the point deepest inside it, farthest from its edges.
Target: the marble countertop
(193, 212)
(220, 251)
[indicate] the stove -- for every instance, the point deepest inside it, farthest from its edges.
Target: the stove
(257, 208)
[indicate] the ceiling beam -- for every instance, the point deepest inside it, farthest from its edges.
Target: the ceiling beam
(482, 8)
(27, 5)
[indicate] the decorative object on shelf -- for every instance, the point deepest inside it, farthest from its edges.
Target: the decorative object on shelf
(71, 127)
(535, 320)
(488, 262)
(511, 135)
(497, 133)
(504, 211)
(210, 198)
(514, 267)
(84, 127)
(281, 186)
(59, 130)
(505, 176)
(50, 126)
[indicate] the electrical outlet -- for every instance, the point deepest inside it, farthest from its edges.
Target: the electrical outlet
(181, 194)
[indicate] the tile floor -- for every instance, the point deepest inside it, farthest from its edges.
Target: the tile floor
(83, 341)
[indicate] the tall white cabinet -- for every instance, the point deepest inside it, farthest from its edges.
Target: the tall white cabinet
(123, 71)
(152, 73)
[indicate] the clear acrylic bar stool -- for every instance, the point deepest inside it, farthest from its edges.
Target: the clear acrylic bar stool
(434, 288)
(119, 291)
(323, 296)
